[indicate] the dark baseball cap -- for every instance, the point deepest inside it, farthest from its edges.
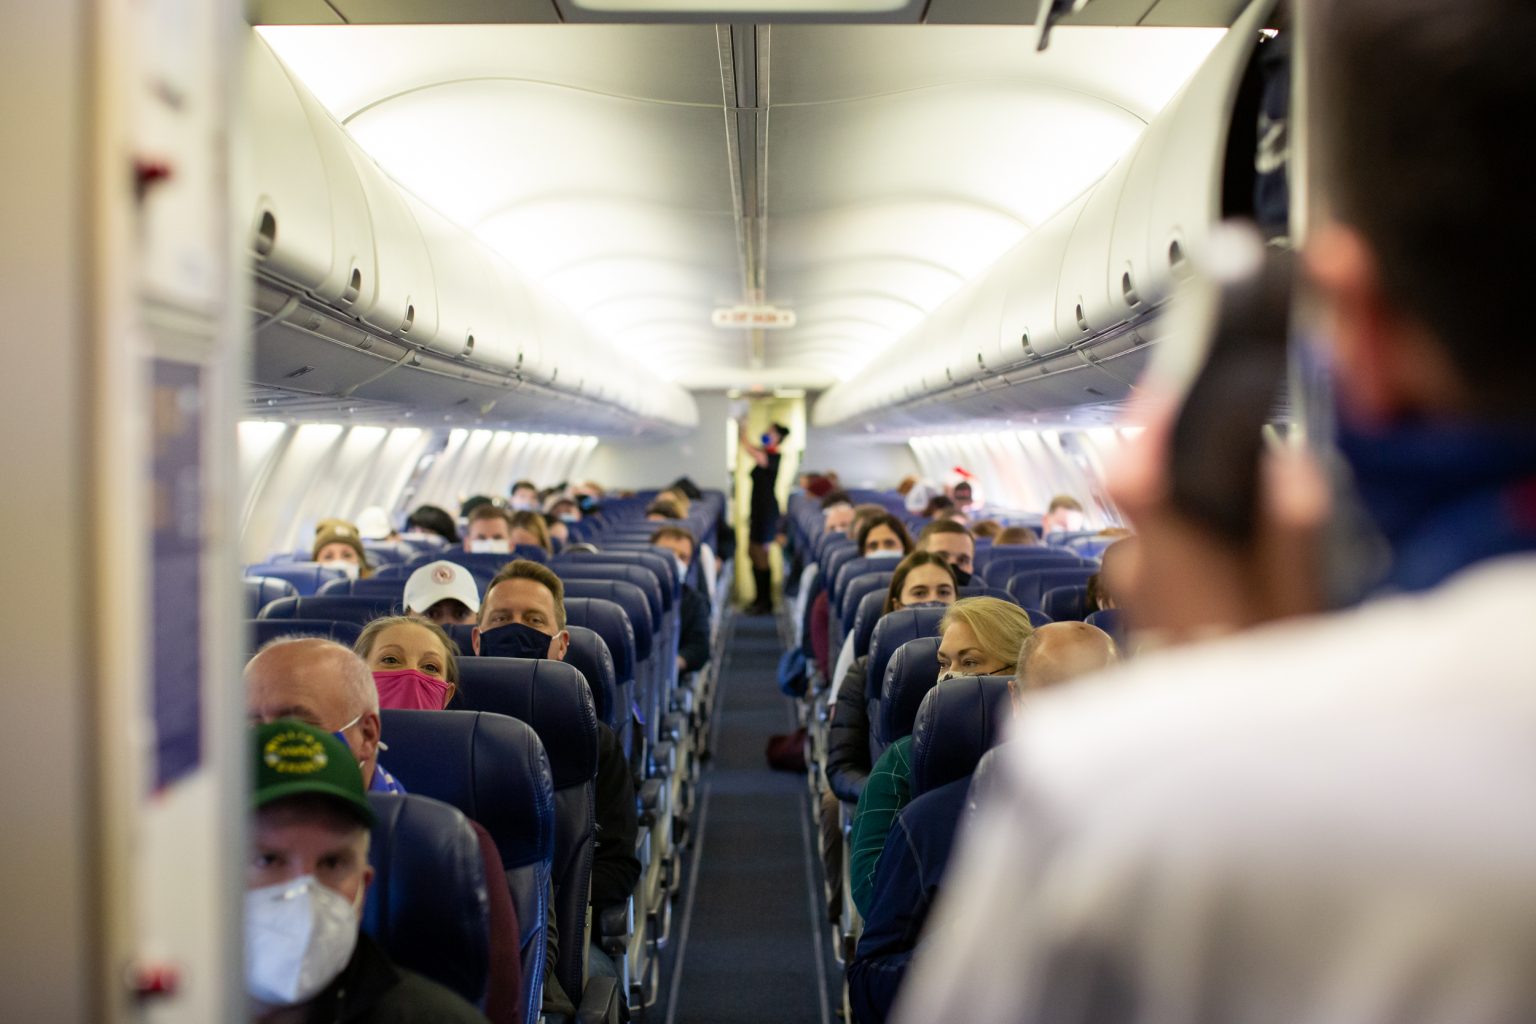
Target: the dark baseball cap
(294, 758)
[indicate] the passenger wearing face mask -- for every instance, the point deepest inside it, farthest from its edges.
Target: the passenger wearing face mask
(980, 636)
(911, 866)
(414, 663)
(489, 531)
(525, 497)
(1065, 515)
(444, 593)
(523, 616)
(339, 546)
(952, 540)
(693, 647)
(884, 536)
(922, 579)
(306, 959)
(530, 530)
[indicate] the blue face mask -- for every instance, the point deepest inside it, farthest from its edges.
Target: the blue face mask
(514, 641)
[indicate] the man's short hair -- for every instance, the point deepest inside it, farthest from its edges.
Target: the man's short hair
(942, 526)
(674, 533)
(1065, 501)
(832, 498)
(525, 569)
(1421, 112)
(491, 511)
(664, 508)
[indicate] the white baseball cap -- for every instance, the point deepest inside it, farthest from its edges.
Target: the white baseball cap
(441, 581)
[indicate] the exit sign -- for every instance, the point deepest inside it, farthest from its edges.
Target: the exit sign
(765, 318)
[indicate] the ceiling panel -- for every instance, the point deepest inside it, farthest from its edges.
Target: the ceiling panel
(900, 162)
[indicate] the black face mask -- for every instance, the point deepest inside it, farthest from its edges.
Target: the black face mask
(962, 577)
(514, 641)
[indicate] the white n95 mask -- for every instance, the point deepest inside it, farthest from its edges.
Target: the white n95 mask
(351, 570)
(298, 937)
(487, 546)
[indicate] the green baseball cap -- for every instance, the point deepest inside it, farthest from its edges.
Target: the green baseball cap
(294, 758)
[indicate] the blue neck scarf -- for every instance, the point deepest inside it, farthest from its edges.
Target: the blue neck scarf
(1444, 496)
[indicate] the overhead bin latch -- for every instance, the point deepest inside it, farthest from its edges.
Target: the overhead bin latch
(1050, 12)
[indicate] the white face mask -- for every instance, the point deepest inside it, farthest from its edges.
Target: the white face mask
(682, 567)
(299, 936)
(884, 554)
(487, 546)
(525, 504)
(348, 569)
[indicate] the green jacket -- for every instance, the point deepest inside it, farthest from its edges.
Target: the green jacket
(886, 792)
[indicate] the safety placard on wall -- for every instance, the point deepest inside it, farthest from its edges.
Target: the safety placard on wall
(177, 578)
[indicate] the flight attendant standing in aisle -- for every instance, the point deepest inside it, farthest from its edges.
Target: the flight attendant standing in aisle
(764, 512)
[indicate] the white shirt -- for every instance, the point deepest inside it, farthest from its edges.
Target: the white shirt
(1323, 821)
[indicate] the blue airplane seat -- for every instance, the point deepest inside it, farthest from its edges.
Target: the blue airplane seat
(848, 570)
(913, 671)
(373, 586)
(974, 589)
(261, 591)
(958, 721)
(1065, 603)
(871, 607)
(553, 699)
(306, 577)
(589, 655)
(877, 582)
(360, 610)
(642, 579)
(891, 632)
(427, 905)
(392, 572)
(1110, 620)
(493, 768)
(1029, 586)
(1037, 618)
(264, 631)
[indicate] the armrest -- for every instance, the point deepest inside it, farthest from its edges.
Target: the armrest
(617, 921)
(599, 1002)
(651, 796)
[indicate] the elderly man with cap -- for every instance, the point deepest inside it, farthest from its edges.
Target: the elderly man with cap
(306, 959)
(443, 592)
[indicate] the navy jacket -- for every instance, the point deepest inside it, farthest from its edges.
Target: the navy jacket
(906, 882)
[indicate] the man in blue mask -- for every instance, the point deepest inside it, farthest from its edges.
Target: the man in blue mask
(305, 958)
(1329, 817)
(522, 615)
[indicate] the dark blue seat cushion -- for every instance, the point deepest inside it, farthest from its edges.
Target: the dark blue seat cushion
(912, 672)
(891, 632)
(261, 591)
(1066, 604)
(264, 631)
(958, 720)
(360, 610)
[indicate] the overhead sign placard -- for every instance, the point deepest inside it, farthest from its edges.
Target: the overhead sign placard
(764, 318)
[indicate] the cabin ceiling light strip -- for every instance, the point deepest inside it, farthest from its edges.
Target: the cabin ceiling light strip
(728, 9)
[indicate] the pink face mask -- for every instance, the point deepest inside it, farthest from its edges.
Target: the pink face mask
(410, 690)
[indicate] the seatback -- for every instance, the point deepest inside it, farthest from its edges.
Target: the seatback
(912, 672)
(553, 698)
(642, 578)
(306, 577)
(589, 655)
(853, 568)
(891, 632)
(612, 626)
(388, 552)
(659, 562)
(1006, 563)
(871, 607)
(860, 587)
(1029, 587)
(483, 566)
(982, 590)
(374, 586)
(427, 905)
(262, 590)
(360, 610)
(494, 769)
(264, 631)
(1110, 620)
(629, 598)
(834, 559)
(958, 720)
(1065, 603)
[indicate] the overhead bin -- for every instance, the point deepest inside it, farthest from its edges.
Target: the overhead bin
(405, 298)
(364, 292)
(1080, 294)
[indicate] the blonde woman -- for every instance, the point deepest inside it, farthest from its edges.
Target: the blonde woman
(980, 636)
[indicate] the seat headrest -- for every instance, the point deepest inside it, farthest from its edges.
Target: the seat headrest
(858, 588)
(640, 577)
(589, 655)
(264, 631)
(958, 721)
(1109, 620)
(491, 767)
(891, 632)
(642, 555)
(871, 607)
(912, 672)
(609, 622)
(628, 597)
(551, 696)
(360, 610)
(1068, 603)
(261, 591)
(428, 906)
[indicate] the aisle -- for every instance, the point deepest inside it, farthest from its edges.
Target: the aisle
(751, 944)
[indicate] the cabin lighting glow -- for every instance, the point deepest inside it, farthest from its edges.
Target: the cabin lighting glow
(727, 9)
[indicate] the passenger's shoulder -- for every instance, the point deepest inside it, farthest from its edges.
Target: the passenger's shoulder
(418, 1000)
(1238, 700)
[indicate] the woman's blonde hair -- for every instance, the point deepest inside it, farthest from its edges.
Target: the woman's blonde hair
(1000, 627)
(370, 636)
(534, 523)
